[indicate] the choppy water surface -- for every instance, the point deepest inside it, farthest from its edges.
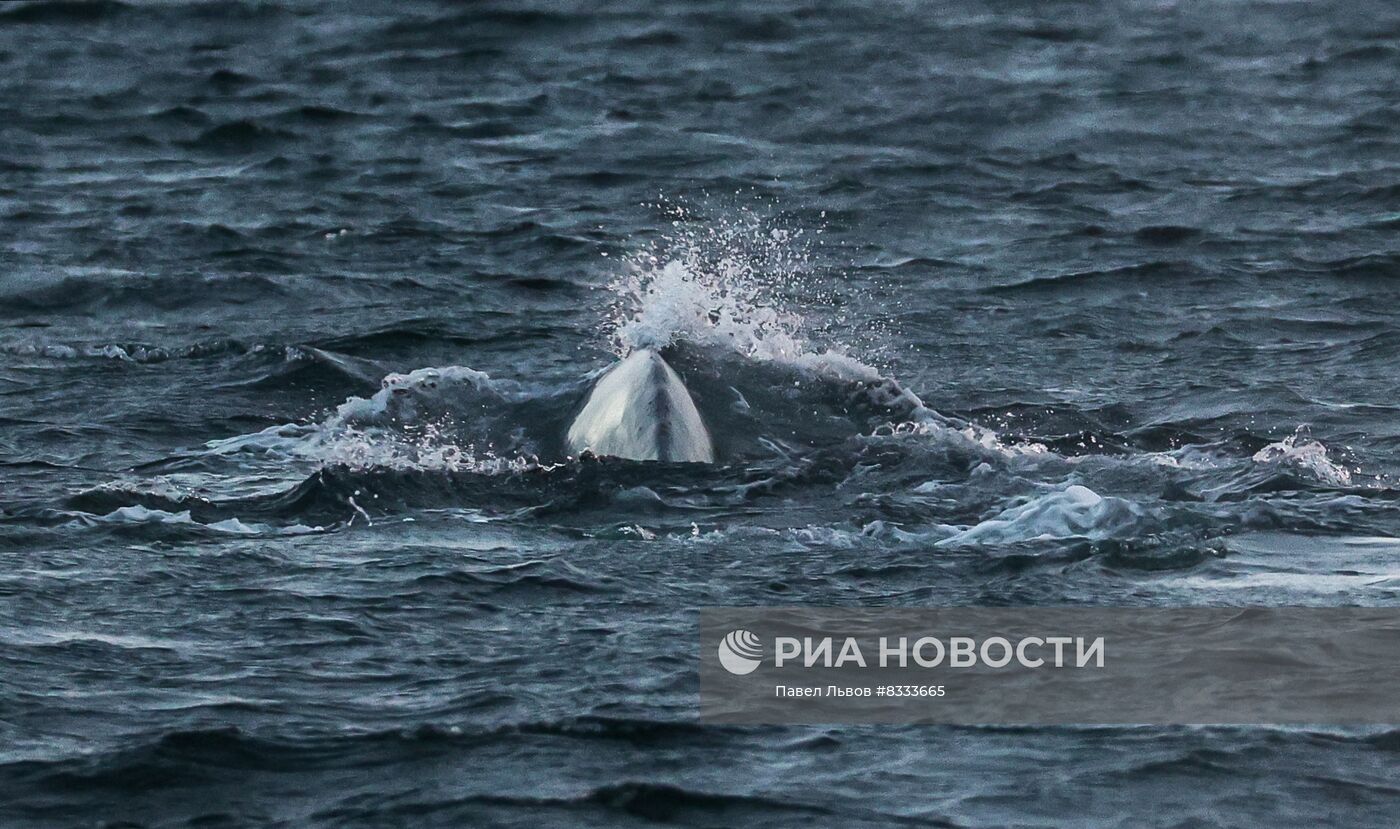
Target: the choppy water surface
(1061, 303)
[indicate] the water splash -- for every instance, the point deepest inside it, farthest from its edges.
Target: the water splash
(431, 419)
(1072, 512)
(431, 449)
(925, 423)
(1301, 451)
(743, 282)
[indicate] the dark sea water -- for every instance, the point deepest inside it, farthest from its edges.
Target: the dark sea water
(1051, 303)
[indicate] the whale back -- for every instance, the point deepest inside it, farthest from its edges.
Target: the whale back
(640, 410)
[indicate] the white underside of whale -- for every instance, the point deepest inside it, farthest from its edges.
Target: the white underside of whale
(640, 410)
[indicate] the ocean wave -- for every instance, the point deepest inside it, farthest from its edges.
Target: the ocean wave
(195, 757)
(84, 289)
(140, 516)
(243, 135)
(126, 352)
(62, 12)
(1079, 280)
(196, 751)
(1300, 451)
(1073, 512)
(661, 802)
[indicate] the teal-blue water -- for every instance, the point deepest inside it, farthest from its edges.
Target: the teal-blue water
(1050, 303)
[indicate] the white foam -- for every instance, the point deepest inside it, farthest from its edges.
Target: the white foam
(406, 396)
(1300, 451)
(431, 450)
(1073, 512)
(368, 433)
(924, 423)
(138, 515)
(1292, 582)
(283, 440)
(722, 284)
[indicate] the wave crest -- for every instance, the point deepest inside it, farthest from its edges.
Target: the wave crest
(1301, 451)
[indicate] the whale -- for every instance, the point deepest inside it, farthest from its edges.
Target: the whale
(640, 410)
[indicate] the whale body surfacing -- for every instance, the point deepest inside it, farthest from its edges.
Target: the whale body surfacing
(640, 410)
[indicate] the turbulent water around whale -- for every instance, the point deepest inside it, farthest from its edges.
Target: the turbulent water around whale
(1069, 303)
